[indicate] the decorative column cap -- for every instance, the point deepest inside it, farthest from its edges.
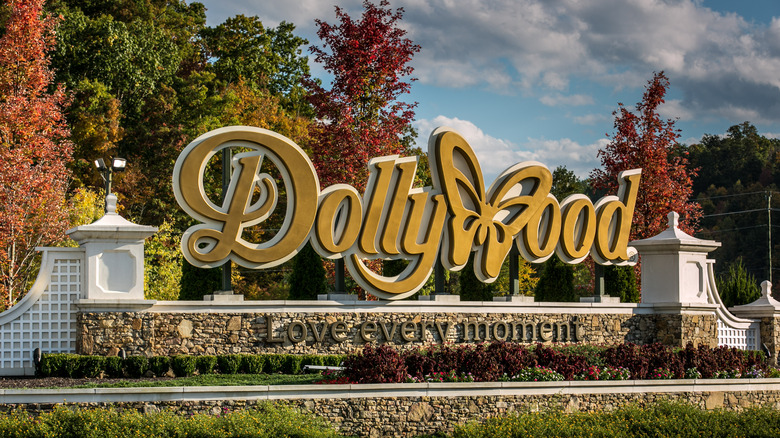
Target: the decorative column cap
(674, 239)
(110, 227)
(764, 306)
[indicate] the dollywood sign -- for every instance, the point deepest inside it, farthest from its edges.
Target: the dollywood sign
(393, 219)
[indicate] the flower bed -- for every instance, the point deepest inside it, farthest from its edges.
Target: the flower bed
(503, 361)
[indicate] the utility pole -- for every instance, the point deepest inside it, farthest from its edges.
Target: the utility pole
(769, 230)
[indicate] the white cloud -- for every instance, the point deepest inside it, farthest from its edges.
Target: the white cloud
(722, 65)
(495, 154)
(572, 100)
(674, 109)
(592, 119)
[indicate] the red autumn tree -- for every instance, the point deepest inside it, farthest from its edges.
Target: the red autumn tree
(360, 117)
(34, 146)
(644, 140)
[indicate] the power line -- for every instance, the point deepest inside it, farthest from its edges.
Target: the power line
(735, 194)
(734, 212)
(733, 229)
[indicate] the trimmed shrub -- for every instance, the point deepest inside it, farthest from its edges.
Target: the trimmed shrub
(136, 366)
(273, 363)
(114, 366)
(183, 365)
(312, 359)
(160, 365)
(333, 360)
(471, 288)
(91, 366)
(292, 364)
(229, 363)
(205, 364)
(252, 363)
(60, 365)
(196, 282)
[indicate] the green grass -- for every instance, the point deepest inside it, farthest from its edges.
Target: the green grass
(214, 380)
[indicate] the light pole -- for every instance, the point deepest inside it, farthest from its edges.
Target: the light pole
(107, 172)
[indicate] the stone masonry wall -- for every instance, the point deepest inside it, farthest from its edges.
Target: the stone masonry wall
(418, 415)
(679, 329)
(770, 336)
(151, 334)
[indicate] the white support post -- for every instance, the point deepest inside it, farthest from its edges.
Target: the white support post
(114, 251)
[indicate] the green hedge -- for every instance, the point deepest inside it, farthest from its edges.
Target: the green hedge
(77, 366)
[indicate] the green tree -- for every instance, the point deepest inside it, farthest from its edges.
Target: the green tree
(742, 154)
(736, 286)
(196, 282)
(556, 282)
(736, 178)
(565, 183)
(94, 116)
(308, 276)
(163, 265)
(620, 281)
(243, 50)
(471, 289)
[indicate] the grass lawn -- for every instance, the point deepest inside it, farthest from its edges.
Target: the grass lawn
(213, 380)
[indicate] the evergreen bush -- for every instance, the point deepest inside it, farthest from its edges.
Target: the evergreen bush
(183, 365)
(205, 364)
(556, 283)
(196, 282)
(229, 363)
(115, 367)
(736, 286)
(252, 363)
(620, 281)
(136, 366)
(471, 288)
(273, 363)
(91, 366)
(308, 276)
(160, 365)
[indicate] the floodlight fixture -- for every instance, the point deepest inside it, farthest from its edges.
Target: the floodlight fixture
(107, 172)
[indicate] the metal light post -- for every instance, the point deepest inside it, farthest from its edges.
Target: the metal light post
(107, 172)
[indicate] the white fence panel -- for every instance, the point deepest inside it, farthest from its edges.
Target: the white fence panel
(46, 317)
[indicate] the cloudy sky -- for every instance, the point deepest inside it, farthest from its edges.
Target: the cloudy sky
(539, 79)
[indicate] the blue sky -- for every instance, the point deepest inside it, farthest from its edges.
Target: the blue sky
(539, 79)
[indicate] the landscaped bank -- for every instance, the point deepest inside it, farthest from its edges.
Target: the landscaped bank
(410, 409)
(440, 387)
(266, 420)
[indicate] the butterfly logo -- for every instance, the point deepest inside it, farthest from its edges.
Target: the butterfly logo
(487, 221)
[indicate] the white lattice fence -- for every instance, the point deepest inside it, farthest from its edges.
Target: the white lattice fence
(46, 317)
(742, 338)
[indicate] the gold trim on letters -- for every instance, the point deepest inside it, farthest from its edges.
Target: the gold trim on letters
(393, 219)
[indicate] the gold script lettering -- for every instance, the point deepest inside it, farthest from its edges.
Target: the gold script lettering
(393, 219)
